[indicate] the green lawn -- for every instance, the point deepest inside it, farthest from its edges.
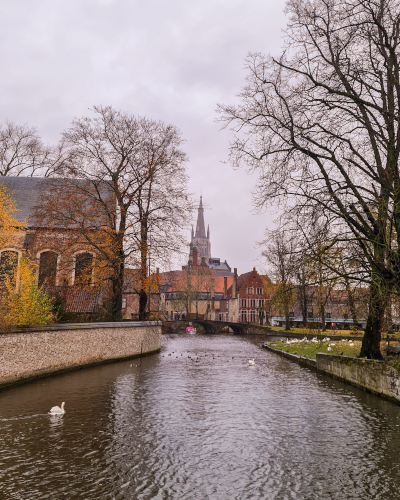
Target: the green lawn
(309, 349)
(329, 333)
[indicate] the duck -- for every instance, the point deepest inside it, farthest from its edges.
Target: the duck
(251, 362)
(56, 410)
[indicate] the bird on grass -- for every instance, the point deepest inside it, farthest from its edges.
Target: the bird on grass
(56, 410)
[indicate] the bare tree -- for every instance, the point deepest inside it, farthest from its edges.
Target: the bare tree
(322, 127)
(124, 193)
(22, 152)
(279, 256)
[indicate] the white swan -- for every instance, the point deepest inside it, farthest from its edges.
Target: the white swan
(56, 410)
(251, 362)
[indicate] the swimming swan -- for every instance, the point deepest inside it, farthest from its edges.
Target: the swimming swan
(251, 362)
(56, 410)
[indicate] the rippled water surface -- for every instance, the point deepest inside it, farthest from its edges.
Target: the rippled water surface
(196, 422)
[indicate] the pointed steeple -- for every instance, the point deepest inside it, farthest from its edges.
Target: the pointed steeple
(200, 227)
(192, 234)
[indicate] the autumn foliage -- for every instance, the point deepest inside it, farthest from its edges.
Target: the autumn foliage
(22, 301)
(10, 226)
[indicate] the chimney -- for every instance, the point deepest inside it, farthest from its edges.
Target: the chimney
(212, 295)
(234, 284)
(225, 286)
(157, 271)
(195, 256)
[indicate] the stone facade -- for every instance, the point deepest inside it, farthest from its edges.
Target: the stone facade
(41, 351)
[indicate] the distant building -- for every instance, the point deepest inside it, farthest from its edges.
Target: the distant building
(190, 292)
(253, 297)
(341, 310)
(200, 239)
(246, 300)
(200, 247)
(130, 296)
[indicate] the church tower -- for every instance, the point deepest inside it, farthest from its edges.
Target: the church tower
(200, 239)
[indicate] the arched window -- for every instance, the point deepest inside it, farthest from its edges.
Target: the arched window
(47, 268)
(83, 268)
(8, 264)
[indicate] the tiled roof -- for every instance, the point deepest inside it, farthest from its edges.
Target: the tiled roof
(27, 192)
(82, 300)
(77, 299)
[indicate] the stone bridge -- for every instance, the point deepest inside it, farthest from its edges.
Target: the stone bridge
(216, 326)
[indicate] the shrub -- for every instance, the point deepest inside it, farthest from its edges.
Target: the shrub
(22, 301)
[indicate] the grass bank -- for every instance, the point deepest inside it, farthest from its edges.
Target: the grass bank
(309, 348)
(313, 331)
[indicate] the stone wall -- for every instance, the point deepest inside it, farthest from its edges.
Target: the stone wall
(375, 376)
(33, 352)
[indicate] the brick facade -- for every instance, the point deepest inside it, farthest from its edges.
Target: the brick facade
(253, 299)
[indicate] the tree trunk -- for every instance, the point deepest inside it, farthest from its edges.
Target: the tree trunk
(323, 320)
(143, 272)
(352, 306)
(372, 337)
(142, 305)
(303, 303)
(287, 320)
(118, 281)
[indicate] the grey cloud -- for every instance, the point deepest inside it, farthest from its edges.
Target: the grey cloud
(169, 60)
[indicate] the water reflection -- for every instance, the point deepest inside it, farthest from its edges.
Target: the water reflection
(196, 422)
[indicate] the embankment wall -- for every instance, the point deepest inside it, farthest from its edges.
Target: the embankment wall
(34, 352)
(374, 376)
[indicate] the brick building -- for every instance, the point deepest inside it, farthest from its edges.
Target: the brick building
(65, 266)
(191, 291)
(252, 296)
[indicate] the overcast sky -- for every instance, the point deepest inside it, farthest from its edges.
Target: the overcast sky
(172, 60)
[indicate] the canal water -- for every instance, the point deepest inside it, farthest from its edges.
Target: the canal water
(197, 422)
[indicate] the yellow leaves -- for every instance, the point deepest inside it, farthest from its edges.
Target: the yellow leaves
(151, 283)
(284, 297)
(9, 225)
(22, 302)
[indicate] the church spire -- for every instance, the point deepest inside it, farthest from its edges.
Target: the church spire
(200, 226)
